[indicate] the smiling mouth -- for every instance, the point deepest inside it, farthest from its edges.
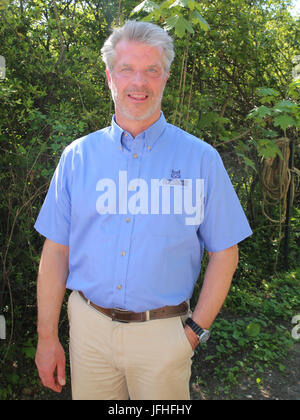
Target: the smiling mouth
(138, 97)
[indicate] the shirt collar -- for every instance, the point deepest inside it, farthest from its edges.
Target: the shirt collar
(149, 136)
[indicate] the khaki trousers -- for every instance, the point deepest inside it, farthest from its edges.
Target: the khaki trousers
(111, 360)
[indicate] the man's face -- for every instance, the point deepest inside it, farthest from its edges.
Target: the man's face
(137, 82)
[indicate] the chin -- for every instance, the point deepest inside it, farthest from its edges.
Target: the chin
(138, 116)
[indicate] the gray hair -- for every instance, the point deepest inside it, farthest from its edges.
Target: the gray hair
(144, 32)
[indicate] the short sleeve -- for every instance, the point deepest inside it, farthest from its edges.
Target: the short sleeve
(224, 223)
(54, 218)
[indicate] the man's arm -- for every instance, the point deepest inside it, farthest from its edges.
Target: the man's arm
(217, 281)
(51, 287)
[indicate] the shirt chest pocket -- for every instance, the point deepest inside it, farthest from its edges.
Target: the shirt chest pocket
(171, 225)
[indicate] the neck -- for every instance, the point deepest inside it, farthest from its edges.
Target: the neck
(135, 127)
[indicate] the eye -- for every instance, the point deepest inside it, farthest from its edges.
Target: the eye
(154, 71)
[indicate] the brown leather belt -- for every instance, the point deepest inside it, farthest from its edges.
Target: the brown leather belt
(122, 315)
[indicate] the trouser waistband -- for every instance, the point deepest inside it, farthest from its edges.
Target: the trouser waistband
(122, 315)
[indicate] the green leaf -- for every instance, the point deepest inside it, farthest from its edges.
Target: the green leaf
(242, 147)
(199, 19)
(282, 368)
(284, 121)
(180, 24)
(191, 4)
(146, 6)
(171, 22)
(185, 24)
(180, 27)
(263, 111)
(259, 112)
(236, 335)
(247, 161)
(166, 4)
(268, 133)
(180, 3)
(293, 89)
(264, 91)
(253, 330)
(285, 106)
(268, 94)
(29, 352)
(268, 149)
(194, 5)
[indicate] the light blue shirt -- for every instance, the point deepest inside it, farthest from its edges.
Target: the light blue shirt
(138, 213)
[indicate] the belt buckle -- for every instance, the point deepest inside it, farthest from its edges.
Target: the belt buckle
(115, 311)
(114, 315)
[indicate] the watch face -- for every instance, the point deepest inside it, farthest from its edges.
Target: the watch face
(204, 337)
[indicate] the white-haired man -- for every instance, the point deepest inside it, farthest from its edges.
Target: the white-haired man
(127, 216)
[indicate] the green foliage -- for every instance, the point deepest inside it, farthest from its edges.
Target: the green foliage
(180, 15)
(253, 332)
(231, 85)
(283, 114)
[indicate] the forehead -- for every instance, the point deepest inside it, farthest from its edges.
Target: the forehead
(137, 52)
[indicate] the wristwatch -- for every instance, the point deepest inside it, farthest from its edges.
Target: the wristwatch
(203, 335)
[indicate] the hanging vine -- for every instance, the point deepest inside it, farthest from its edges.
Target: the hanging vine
(275, 181)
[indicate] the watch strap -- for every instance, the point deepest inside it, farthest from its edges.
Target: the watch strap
(195, 327)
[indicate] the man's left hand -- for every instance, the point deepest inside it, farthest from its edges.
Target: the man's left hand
(191, 336)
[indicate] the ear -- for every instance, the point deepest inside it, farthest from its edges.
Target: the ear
(167, 77)
(108, 77)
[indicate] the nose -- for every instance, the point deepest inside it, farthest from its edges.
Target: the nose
(139, 78)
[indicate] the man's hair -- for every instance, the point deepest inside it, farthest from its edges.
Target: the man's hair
(143, 32)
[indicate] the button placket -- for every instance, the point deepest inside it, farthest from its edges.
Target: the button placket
(133, 171)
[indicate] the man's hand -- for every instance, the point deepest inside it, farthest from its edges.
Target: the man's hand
(191, 336)
(51, 287)
(50, 361)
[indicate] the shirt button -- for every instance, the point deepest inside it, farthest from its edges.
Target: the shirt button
(127, 219)
(123, 253)
(131, 187)
(119, 287)
(148, 147)
(135, 155)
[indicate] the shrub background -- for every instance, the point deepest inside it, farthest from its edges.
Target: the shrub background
(232, 84)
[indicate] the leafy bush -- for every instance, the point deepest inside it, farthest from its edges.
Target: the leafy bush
(231, 86)
(252, 334)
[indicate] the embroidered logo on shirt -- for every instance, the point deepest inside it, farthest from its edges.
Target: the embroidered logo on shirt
(175, 179)
(175, 174)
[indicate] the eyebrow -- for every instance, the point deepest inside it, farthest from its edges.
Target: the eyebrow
(150, 65)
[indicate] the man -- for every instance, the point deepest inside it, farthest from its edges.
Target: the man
(124, 233)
